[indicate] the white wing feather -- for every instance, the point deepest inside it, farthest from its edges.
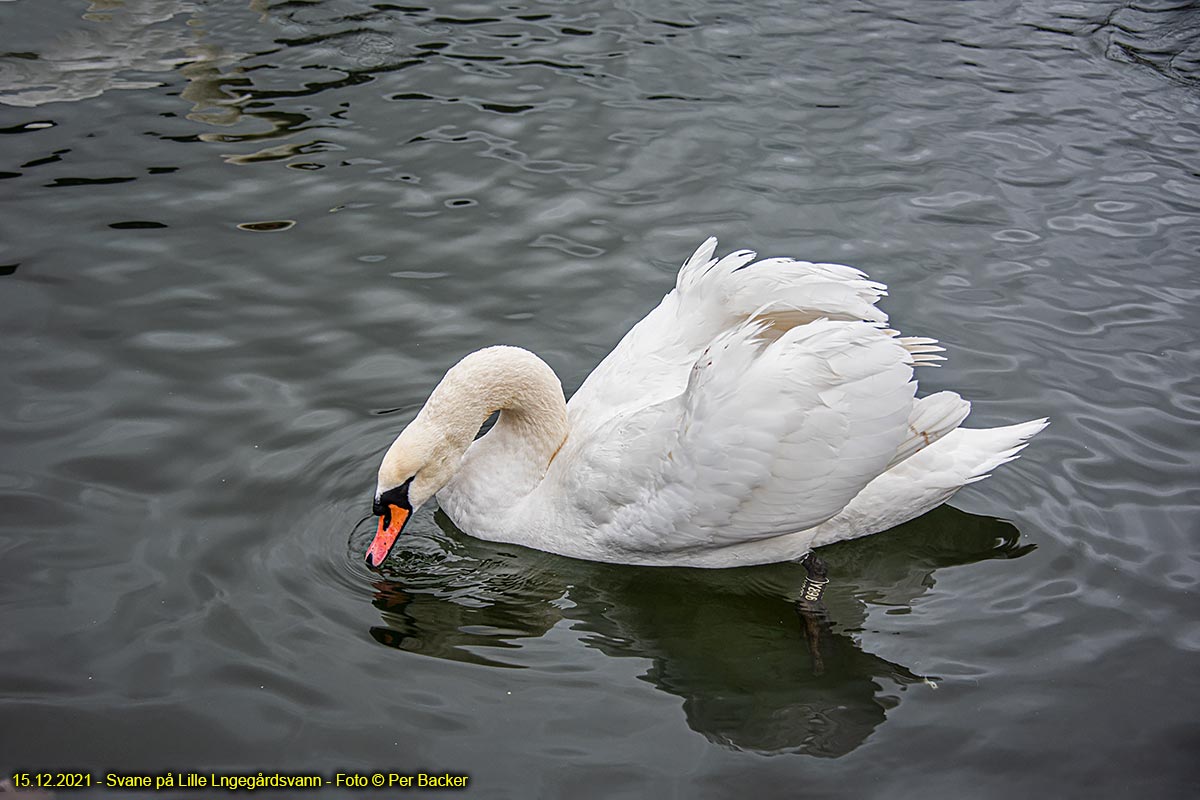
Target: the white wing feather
(712, 296)
(756, 400)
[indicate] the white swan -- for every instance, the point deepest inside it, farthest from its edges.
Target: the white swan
(760, 410)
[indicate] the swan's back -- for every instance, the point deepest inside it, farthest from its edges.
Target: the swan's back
(712, 297)
(755, 401)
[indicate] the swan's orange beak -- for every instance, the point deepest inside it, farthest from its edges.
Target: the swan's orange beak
(391, 522)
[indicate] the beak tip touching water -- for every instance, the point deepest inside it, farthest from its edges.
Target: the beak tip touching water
(391, 522)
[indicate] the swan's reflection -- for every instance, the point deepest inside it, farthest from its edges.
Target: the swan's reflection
(753, 672)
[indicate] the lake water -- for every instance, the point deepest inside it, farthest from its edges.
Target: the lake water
(193, 403)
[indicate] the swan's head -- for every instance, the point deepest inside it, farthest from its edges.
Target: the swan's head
(428, 453)
(417, 465)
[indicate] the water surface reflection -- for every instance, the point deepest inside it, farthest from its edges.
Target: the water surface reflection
(732, 644)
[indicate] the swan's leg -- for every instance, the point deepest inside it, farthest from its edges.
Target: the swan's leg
(818, 577)
(812, 610)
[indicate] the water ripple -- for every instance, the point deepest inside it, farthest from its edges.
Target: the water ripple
(191, 412)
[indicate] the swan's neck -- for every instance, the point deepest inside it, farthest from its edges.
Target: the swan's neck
(507, 463)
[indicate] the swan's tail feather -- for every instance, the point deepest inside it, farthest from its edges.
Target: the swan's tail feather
(928, 478)
(996, 446)
(932, 418)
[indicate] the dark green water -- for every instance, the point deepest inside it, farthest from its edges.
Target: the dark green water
(192, 409)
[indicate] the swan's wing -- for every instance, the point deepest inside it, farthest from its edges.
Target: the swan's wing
(712, 296)
(779, 438)
(771, 434)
